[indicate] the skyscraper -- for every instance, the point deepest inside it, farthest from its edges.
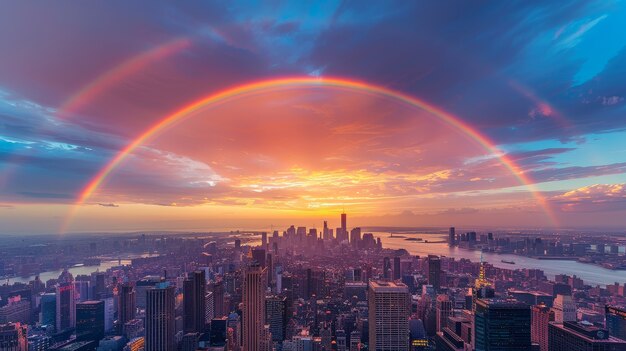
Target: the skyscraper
(344, 226)
(564, 309)
(452, 236)
(194, 295)
(355, 237)
(48, 305)
(389, 309)
(396, 268)
(258, 255)
(386, 268)
(160, 315)
(276, 316)
(218, 299)
(541, 316)
(65, 306)
(434, 272)
(90, 320)
(616, 321)
(501, 325)
(254, 307)
(126, 305)
(444, 310)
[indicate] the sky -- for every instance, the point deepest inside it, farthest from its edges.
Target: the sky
(503, 114)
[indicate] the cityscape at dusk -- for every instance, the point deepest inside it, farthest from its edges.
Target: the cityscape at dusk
(313, 176)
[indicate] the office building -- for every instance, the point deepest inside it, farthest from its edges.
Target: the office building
(344, 227)
(276, 316)
(582, 336)
(258, 255)
(65, 306)
(434, 272)
(564, 309)
(444, 309)
(355, 340)
(389, 308)
(397, 274)
(254, 307)
(387, 268)
(48, 307)
(355, 237)
(615, 319)
(13, 337)
(90, 320)
(541, 316)
(194, 295)
(501, 325)
(127, 307)
(160, 315)
(451, 236)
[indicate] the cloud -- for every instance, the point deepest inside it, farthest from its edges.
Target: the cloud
(108, 205)
(593, 198)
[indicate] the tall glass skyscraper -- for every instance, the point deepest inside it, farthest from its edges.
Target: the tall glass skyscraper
(502, 325)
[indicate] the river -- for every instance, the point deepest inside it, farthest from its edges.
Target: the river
(591, 274)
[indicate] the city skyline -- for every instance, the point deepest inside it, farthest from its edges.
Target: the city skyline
(211, 116)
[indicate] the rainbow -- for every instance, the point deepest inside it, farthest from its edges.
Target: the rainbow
(120, 71)
(307, 81)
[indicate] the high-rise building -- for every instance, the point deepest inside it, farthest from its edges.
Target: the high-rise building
(48, 306)
(13, 337)
(340, 338)
(355, 340)
(564, 309)
(258, 255)
(451, 237)
(541, 316)
(141, 287)
(386, 268)
(194, 295)
(434, 271)
(397, 274)
(127, 307)
(266, 339)
(276, 316)
(65, 306)
(355, 237)
(615, 321)
(344, 226)
(389, 309)
(90, 320)
(82, 290)
(219, 308)
(327, 232)
(109, 313)
(582, 336)
(209, 307)
(160, 315)
(254, 307)
(444, 310)
(501, 325)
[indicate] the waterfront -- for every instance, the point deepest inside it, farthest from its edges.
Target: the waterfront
(105, 263)
(591, 274)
